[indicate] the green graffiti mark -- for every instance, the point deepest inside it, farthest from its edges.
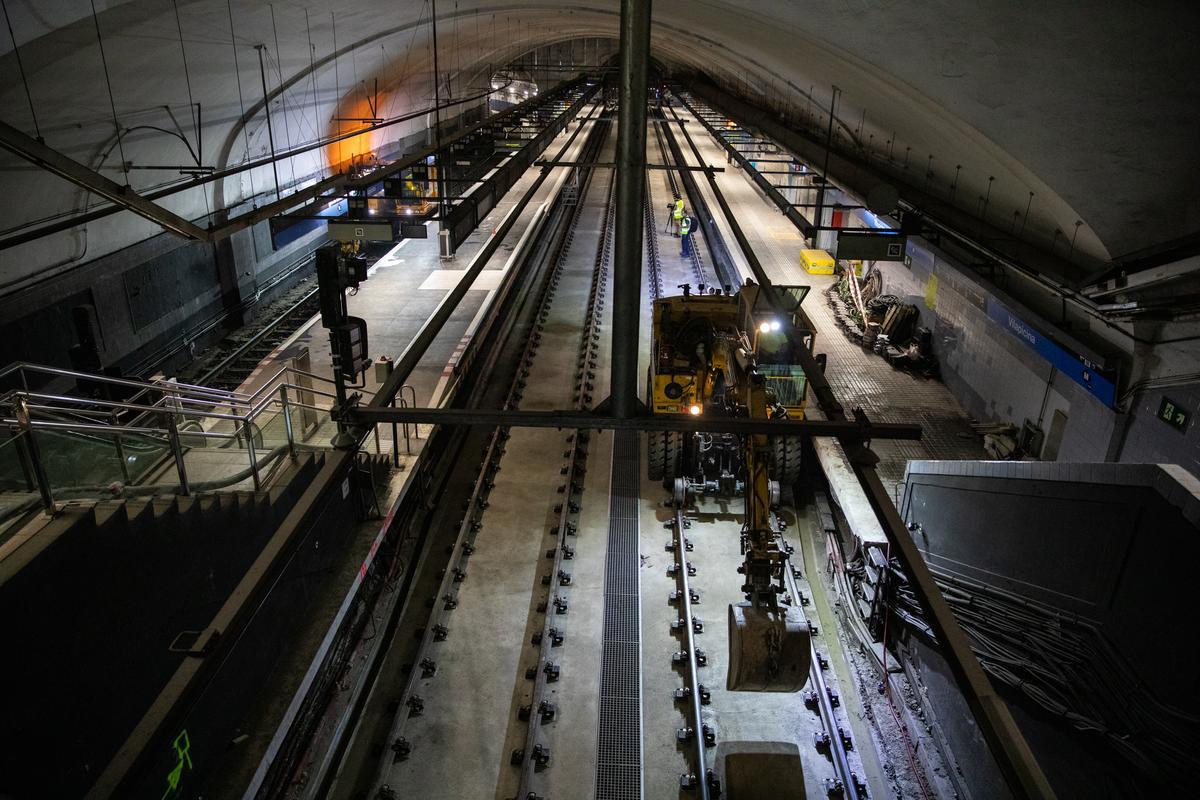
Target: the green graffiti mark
(183, 747)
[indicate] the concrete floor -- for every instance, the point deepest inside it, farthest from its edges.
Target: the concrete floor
(466, 746)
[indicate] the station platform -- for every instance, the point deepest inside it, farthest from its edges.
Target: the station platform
(406, 285)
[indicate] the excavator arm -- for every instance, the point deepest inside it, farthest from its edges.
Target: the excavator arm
(768, 634)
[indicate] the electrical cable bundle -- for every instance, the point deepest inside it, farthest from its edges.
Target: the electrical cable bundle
(1067, 666)
(878, 306)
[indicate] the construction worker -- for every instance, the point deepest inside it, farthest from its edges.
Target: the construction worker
(685, 228)
(677, 215)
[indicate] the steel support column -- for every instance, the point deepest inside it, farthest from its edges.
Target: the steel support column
(53, 161)
(631, 187)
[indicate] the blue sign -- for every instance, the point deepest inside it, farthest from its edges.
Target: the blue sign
(1074, 366)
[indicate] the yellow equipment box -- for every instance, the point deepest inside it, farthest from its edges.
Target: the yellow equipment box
(816, 262)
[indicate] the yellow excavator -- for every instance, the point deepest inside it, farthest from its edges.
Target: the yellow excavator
(720, 354)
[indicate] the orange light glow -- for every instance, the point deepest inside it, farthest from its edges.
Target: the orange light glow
(355, 149)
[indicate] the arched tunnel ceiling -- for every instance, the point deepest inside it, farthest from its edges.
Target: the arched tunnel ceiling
(1091, 106)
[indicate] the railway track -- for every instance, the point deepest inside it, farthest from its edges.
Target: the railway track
(243, 351)
(700, 276)
(698, 735)
(552, 592)
(822, 696)
(693, 695)
(540, 708)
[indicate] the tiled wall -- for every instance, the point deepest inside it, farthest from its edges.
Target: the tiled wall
(1152, 440)
(995, 376)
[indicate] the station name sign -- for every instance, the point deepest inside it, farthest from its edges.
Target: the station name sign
(1073, 365)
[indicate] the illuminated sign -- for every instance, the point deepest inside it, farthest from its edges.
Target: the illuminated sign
(1170, 413)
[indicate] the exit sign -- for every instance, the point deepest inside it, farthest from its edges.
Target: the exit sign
(1170, 413)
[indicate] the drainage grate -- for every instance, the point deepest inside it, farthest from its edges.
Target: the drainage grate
(619, 756)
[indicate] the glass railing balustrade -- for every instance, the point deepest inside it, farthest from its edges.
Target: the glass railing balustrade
(88, 445)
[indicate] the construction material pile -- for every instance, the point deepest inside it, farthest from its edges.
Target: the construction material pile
(882, 322)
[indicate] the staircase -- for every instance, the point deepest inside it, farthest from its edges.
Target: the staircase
(69, 435)
(103, 605)
(130, 511)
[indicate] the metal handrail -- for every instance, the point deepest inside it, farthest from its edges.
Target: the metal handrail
(70, 427)
(156, 409)
(22, 366)
(179, 404)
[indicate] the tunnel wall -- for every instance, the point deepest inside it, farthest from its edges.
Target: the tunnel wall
(1150, 439)
(1112, 543)
(995, 376)
(151, 299)
(148, 299)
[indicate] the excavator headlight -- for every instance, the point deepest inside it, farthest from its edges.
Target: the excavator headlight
(764, 328)
(694, 410)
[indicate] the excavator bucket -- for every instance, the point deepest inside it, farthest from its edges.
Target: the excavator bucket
(769, 649)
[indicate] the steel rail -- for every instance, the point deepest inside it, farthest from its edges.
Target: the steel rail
(837, 748)
(408, 360)
(695, 689)
(291, 746)
(215, 371)
(654, 284)
(694, 252)
(470, 523)
(723, 264)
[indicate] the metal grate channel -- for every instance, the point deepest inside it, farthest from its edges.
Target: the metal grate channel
(619, 756)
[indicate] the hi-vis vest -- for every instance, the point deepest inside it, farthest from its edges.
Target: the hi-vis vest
(678, 212)
(685, 226)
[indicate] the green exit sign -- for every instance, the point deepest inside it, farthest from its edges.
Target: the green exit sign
(1170, 413)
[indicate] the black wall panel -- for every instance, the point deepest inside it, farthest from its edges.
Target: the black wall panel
(172, 281)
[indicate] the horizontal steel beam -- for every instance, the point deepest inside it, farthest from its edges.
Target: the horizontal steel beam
(35, 152)
(848, 430)
(611, 165)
